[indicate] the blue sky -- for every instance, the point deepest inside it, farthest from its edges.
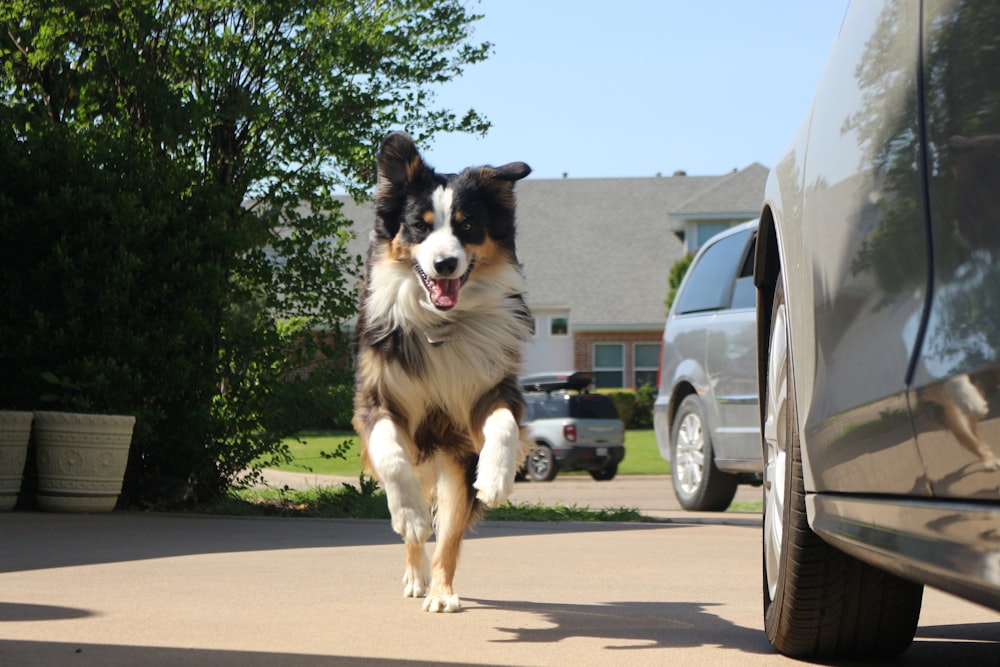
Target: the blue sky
(638, 87)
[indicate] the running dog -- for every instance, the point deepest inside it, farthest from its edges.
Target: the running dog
(439, 341)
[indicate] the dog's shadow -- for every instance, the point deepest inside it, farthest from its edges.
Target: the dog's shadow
(629, 625)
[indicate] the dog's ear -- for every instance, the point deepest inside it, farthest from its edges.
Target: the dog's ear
(497, 185)
(400, 167)
(500, 180)
(513, 171)
(399, 162)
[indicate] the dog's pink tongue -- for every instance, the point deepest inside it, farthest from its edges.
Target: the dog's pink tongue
(446, 292)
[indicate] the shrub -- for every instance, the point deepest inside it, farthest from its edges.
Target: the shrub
(635, 407)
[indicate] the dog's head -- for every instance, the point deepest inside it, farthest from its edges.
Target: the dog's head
(448, 226)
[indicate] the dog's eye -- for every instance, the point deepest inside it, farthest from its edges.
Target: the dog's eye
(421, 226)
(466, 226)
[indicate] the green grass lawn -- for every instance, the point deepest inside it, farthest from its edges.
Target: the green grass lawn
(642, 457)
(641, 454)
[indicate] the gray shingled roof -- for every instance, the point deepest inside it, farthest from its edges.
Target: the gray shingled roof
(738, 194)
(603, 247)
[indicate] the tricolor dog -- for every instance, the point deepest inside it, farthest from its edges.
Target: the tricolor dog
(439, 341)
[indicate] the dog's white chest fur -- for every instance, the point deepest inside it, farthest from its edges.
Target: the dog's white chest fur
(465, 351)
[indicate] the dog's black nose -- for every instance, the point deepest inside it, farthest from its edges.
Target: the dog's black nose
(446, 265)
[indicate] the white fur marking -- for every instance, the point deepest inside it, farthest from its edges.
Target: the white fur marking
(442, 244)
(417, 578)
(443, 198)
(410, 516)
(498, 460)
(442, 603)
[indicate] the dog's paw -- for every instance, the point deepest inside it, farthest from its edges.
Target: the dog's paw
(415, 581)
(412, 523)
(493, 491)
(992, 463)
(447, 604)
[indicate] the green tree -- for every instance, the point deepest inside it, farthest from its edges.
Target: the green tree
(170, 166)
(676, 277)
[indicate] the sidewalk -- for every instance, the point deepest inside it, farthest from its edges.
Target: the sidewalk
(651, 495)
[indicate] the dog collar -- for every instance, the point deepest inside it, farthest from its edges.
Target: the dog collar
(438, 335)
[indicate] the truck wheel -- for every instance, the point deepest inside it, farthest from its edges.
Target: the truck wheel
(541, 464)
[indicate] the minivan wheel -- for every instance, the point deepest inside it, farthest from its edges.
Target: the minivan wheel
(541, 465)
(698, 484)
(819, 603)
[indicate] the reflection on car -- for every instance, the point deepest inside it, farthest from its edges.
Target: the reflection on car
(879, 334)
(570, 428)
(706, 416)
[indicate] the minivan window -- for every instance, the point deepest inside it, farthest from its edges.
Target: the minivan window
(710, 283)
(745, 293)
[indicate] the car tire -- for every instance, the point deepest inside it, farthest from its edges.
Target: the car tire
(819, 603)
(698, 484)
(606, 473)
(541, 465)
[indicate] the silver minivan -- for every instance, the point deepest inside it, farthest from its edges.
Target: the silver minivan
(706, 415)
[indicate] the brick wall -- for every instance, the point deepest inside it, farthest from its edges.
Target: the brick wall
(583, 346)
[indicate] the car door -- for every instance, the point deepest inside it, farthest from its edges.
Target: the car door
(856, 258)
(956, 379)
(713, 343)
(731, 364)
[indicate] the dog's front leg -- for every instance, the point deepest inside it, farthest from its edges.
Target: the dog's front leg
(411, 517)
(499, 458)
(454, 506)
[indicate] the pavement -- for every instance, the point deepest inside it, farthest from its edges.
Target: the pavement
(130, 588)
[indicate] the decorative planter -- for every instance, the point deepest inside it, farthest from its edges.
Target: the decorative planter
(81, 460)
(15, 430)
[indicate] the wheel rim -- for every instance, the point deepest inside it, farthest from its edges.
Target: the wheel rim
(540, 461)
(689, 459)
(775, 448)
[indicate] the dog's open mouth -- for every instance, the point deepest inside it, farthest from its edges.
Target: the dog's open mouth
(443, 292)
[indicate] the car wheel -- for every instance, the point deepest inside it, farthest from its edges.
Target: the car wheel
(606, 473)
(819, 602)
(698, 484)
(541, 465)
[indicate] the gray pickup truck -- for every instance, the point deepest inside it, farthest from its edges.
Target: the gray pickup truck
(570, 428)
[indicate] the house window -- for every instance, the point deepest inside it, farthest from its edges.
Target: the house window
(559, 326)
(646, 359)
(609, 365)
(534, 326)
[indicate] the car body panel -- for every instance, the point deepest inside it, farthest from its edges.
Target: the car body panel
(874, 190)
(730, 363)
(918, 539)
(956, 381)
(844, 315)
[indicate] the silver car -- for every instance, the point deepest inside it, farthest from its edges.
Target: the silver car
(706, 415)
(878, 275)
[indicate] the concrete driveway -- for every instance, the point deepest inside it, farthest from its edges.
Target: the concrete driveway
(155, 589)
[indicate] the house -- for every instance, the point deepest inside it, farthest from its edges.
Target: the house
(597, 254)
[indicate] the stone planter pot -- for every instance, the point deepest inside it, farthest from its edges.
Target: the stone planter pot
(15, 430)
(81, 460)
